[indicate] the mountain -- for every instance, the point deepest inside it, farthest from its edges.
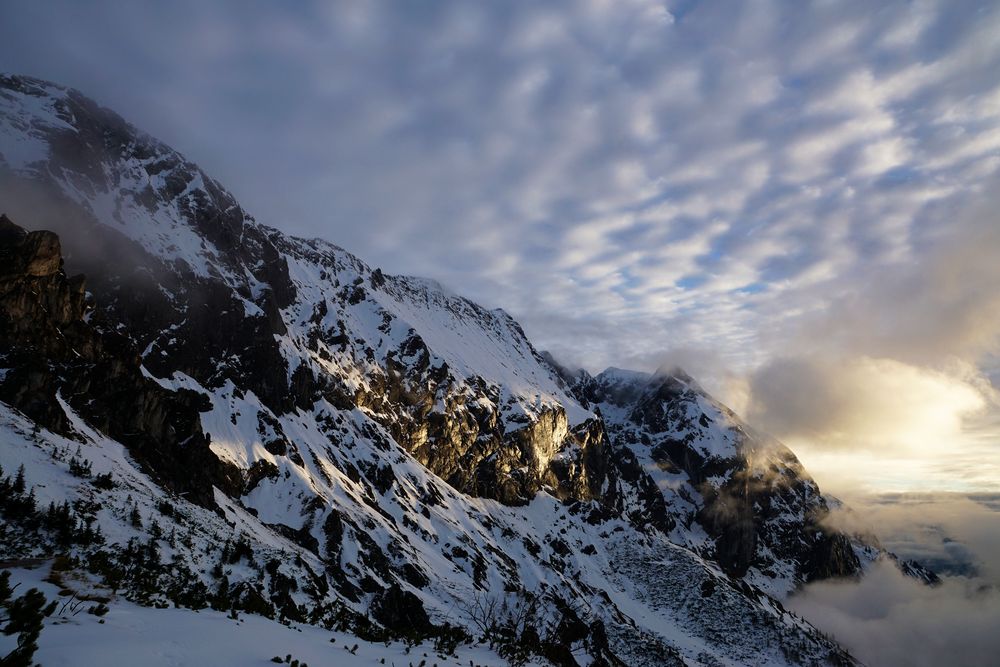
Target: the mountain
(219, 415)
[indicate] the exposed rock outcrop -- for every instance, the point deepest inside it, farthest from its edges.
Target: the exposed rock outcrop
(51, 353)
(749, 492)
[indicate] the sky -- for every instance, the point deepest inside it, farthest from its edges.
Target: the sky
(795, 201)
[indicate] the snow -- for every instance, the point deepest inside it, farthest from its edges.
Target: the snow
(620, 376)
(20, 115)
(622, 563)
(610, 567)
(472, 341)
(26, 119)
(172, 637)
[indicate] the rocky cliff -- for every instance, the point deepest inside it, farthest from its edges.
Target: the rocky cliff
(53, 356)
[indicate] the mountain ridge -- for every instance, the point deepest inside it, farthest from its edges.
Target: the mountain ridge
(388, 445)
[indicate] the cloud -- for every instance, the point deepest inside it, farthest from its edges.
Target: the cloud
(759, 182)
(886, 618)
(866, 424)
(889, 619)
(861, 403)
(941, 307)
(953, 533)
(885, 384)
(682, 170)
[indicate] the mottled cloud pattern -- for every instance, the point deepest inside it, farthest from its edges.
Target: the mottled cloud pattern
(797, 201)
(793, 197)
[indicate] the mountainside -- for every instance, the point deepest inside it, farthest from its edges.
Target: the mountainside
(241, 419)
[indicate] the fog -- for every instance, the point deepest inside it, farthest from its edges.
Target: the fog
(887, 618)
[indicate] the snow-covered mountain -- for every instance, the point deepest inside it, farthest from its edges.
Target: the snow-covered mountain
(245, 420)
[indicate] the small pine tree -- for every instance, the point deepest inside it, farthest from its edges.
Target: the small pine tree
(79, 467)
(19, 483)
(23, 616)
(30, 506)
(103, 481)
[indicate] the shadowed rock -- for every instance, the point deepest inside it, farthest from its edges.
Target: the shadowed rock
(53, 353)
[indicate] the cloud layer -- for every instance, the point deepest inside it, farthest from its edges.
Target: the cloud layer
(890, 619)
(741, 185)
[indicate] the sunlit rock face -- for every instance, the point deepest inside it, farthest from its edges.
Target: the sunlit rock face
(400, 449)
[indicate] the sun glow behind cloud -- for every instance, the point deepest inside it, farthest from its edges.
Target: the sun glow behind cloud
(878, 424)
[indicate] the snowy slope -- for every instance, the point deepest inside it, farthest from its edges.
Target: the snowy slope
(639, 576)
(170, 637)
(406, 461)
(736, 495)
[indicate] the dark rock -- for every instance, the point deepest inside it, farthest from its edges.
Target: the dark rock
(400, 611)
(413, 576)
(831, 555)
(259, 470)
(55, 352)
(333, 528)
(301, 536)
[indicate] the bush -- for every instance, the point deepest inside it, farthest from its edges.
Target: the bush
(103, 481)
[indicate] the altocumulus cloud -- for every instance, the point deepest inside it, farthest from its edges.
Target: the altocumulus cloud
(742, 185)
(626, 177)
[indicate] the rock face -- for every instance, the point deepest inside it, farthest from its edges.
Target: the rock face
(36, 295)
(749, 492)
(33, 255)
(404, 454)
(52, 354)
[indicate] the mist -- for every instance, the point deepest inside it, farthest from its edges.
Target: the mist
(889, 619)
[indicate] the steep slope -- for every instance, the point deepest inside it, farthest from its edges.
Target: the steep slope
(379, 455)
(203, 291)
(737, 496)
(604, 588)
(49, 351)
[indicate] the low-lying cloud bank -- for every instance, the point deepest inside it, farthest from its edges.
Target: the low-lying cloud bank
(955, 534)
(889, 619)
